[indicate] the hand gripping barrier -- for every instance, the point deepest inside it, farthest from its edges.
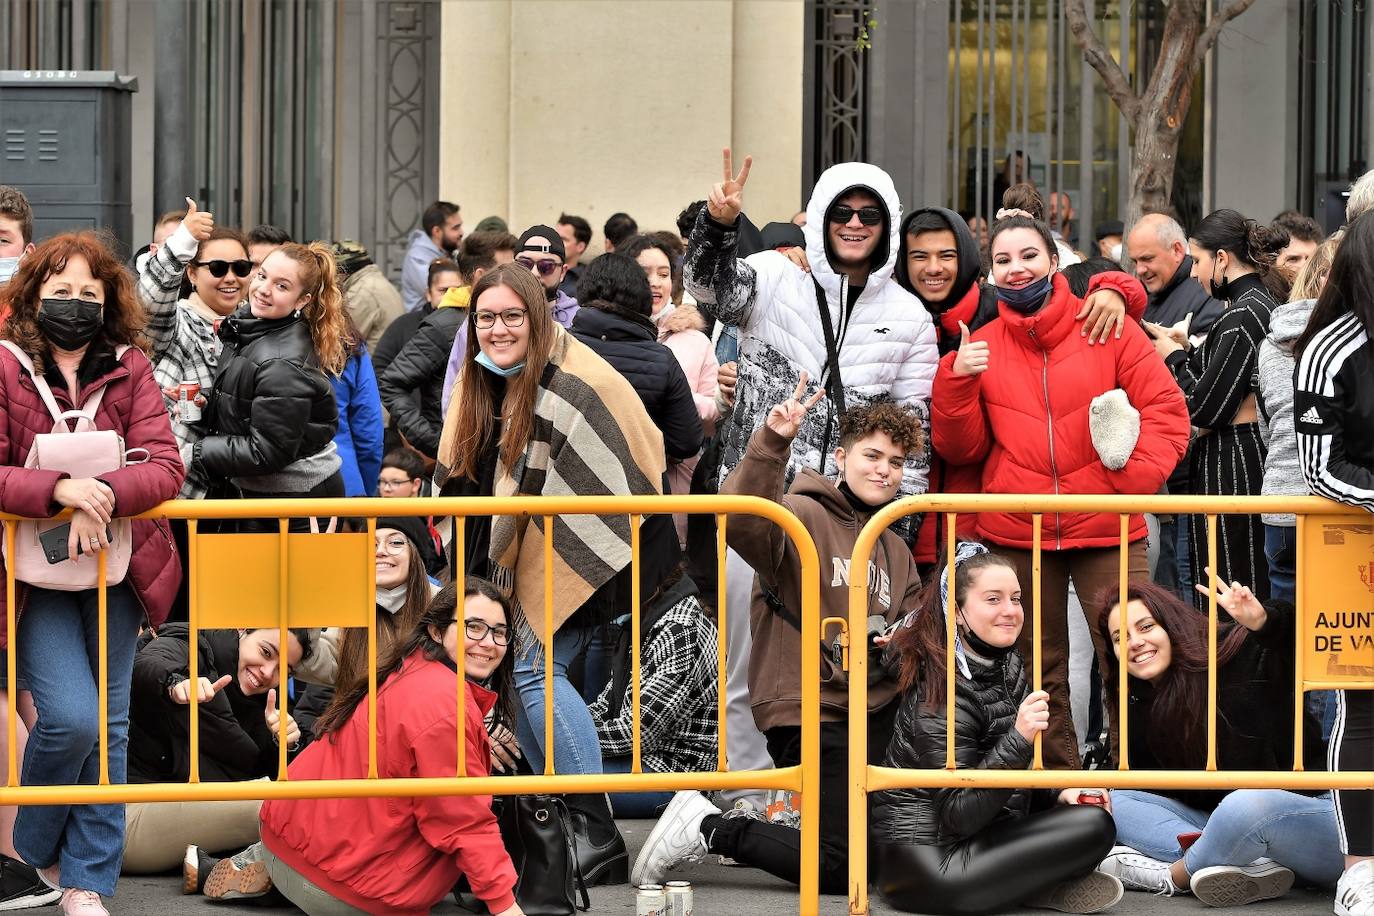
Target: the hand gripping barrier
(316, 580)
(1332, 539)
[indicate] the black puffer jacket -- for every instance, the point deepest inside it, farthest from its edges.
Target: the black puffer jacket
(984, 713)
(412, 386)
(270, 405)
(630, 344)
(234, 741)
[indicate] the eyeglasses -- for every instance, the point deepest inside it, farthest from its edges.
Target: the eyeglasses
(511, 318)
(384, 483)
(241, 267)
(543, 268)
(869, 216)
(477, 631)
(395, 544)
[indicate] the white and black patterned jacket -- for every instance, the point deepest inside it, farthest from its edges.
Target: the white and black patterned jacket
(886, 344)
(1333, 413)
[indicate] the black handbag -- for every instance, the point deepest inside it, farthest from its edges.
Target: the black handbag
(539, 839)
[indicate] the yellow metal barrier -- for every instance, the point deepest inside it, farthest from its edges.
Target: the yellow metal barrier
(306, 580)
(1346, 666)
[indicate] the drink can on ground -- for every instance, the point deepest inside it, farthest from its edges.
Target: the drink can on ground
(650, 900)
(678, 898)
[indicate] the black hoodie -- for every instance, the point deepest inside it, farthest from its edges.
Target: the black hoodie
(966, 279)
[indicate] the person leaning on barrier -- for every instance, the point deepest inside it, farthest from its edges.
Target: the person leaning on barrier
(237, 677)
(1333, 406)
(971, 852)
(875, 443)
(536, 413)
(1021, 398)
(71, 305)
(1253, 841)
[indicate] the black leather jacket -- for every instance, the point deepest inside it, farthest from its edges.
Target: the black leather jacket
(413, 384)
(984, 713)
(271, 404)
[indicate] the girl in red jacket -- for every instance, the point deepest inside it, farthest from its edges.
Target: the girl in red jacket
(1020, 396)
(401, 856)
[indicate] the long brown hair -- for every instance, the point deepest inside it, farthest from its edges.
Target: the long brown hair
(922, 644)
(124, 317)
(474, 410)
(1177, 728)
(324, 313)
(353, 650)
(439, 614)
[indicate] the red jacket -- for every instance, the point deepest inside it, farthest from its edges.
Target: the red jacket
(398, 856)
(1026, 418)
(132, 407)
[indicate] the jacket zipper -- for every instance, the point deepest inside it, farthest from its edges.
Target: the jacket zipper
(1049, 415)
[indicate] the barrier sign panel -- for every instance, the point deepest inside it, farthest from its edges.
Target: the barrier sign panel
(1336, 591)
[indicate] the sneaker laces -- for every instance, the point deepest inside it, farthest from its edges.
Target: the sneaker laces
(1141, 871)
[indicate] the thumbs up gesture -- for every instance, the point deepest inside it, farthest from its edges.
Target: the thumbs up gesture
(205, 691)
(198, 222)
(972, 358)
(272, 716)
(726, 199)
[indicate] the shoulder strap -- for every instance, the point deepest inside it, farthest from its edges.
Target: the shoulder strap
(59, 415)
(834, 385)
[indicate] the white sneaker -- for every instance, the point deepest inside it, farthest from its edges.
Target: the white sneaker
(1139, 872)
(78, 902)
(1237, 885)
(675, 839)
(1092, 893)
(1355, 890)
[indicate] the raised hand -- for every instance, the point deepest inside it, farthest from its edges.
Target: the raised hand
(272, 716)
(198, 222)
(972, 358)
(785, 418)
(726, 199)
(1238, 601)
(180, 693)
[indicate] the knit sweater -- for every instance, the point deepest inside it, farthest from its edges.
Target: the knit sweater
(1282, 471)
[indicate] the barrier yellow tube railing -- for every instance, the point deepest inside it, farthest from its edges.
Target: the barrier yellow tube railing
(802, 779)
(865, 779)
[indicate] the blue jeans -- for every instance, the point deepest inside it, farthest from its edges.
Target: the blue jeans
(59, 659)
(1281, 550)
(1183, 556)
(1294, 830)
(633, 804)
(576, 746)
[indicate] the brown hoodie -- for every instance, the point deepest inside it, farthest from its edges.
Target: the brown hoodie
(775, 659)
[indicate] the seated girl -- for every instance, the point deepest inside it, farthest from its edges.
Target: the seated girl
(1250, 844)
(969, 852)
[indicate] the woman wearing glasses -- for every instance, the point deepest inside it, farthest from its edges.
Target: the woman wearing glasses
(536, 413)
(271, 417)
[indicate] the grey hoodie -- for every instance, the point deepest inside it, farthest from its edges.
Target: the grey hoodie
(1282, 473)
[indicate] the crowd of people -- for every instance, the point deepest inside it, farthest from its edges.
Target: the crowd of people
(833, 362)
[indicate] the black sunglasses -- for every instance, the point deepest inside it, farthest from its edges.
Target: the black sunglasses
(241, 267)
(843, 213)
(545, 268)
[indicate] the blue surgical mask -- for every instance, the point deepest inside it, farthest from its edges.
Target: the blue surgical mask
(485, 362)
(8, 268)
(1028, 299)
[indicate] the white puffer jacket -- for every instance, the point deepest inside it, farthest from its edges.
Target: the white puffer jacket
(887, 348)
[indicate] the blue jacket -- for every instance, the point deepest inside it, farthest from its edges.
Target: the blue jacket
(359, 438)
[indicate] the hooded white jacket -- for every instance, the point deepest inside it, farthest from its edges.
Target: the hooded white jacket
(886, 345)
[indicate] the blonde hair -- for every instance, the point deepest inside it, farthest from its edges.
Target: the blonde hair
(324, 313)
(1308, 283)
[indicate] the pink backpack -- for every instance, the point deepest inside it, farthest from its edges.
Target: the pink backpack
(87, 452)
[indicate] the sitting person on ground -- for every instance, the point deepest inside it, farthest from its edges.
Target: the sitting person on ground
(1250, 844)
(971, 852)
(341, 855)
(875, 443)
(677, 695)
(239, 671)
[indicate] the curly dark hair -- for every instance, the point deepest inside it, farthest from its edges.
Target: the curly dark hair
(124, 315)
(900, 423)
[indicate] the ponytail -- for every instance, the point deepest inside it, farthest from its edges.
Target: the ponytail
(324, 313)
(1249, 242)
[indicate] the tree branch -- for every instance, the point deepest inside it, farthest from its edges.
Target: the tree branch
(1097, 55)
(1209, 37)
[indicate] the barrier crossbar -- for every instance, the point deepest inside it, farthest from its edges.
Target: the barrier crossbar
(278, 599)
(865, 778)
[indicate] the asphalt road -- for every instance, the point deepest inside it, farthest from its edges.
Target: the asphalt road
(719, 891)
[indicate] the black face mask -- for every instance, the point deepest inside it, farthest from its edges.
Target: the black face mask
(1221, 289)
(70, 324)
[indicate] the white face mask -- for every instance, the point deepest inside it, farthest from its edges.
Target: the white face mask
(391, 599)
(1116, 252)
(9, 267)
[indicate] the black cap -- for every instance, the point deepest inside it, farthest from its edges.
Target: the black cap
(550, 241)
(417, 533)
(783, 235)
(1110, 227)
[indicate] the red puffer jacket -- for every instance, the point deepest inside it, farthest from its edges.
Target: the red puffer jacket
(132, 407)
(1026, 417)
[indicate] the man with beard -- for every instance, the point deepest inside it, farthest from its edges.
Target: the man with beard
(439, 235)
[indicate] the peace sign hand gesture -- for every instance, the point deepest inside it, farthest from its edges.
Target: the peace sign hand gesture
(785, 418)
(726, 199)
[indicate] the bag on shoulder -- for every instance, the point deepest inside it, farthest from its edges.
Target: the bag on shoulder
(538, 835)
(77, 448)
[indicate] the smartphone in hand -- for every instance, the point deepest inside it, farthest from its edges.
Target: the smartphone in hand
(54, 542)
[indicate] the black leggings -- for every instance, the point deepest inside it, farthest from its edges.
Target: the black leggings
(1352, 748)
(999, 868)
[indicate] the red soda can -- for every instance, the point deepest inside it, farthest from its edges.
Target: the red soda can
(1092, 797)
(187, 392)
